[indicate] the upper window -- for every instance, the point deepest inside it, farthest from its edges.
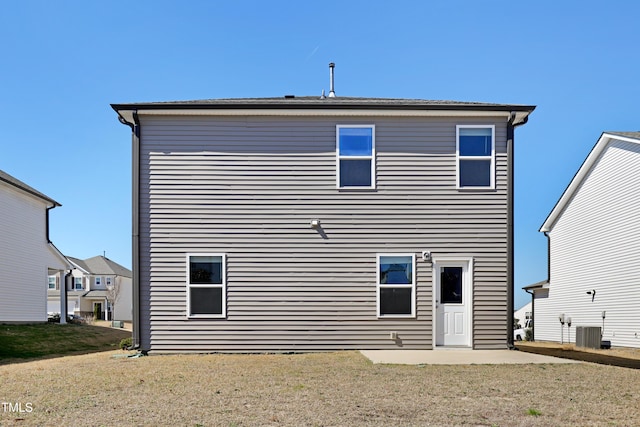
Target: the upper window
(108, 281)
(396, 285)
(355, 156)
(77, 283)
(475, 150)
(52, 282)
(98, 281)
(206, 285)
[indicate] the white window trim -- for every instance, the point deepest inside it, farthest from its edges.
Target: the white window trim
(222, 285)
(492, 158)
(81, 284)
(372, 157)
(395, 285)
(55, 282)
(97, 281)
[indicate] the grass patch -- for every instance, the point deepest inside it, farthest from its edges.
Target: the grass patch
(533, 412)
(20, 342)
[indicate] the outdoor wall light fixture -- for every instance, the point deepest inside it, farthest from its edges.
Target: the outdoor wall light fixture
(315, 223)
(592, 293)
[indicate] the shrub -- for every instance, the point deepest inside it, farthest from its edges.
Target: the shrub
(126, 343)
(528, 334)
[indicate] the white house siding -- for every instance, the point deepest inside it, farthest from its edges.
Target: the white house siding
(24, 258)
(123, 305)
(249, 187)
(595, 244)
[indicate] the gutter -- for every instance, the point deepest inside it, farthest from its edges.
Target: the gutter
(511, 125)
(135, 229)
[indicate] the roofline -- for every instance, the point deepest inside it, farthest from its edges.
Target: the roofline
(409, 104)
(27, 189)
(539, 285)
(580, 175)
(346, 107)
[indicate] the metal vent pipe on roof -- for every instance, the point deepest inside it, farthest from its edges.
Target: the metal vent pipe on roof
(332, 92)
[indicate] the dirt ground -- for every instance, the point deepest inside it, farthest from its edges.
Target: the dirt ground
(321, 389)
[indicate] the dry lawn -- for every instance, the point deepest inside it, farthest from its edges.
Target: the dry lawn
(330, 389)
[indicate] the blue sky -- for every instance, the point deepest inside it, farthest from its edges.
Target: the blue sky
(64, 62)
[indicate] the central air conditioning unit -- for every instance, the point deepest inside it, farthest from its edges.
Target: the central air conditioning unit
(588, 336)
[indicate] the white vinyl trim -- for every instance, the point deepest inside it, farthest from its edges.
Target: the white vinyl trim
(222, 286)
(412, 285)
(372, 157)
(492, 157)
(467, 264)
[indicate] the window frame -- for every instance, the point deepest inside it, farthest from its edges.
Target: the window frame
(55, 282)
(371, 157)
(76, 281)
(411, 286)
(97, 281)
(222, 285)
(491, 158)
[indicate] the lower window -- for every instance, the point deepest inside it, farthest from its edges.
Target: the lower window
(396, 285)
(206, 285)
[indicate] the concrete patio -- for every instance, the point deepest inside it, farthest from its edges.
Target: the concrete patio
(458, 357)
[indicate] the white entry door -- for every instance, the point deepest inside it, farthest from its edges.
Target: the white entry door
(452, 303)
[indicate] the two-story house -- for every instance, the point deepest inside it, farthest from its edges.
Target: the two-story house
(307, 223)
(96, 285)
(27, 254)
(594, 246)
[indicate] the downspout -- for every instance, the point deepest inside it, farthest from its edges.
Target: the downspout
(47, 222)
(135, 224)
(546, 234)
(511, 125)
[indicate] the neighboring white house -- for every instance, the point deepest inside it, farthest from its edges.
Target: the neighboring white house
(523, 314)
(27, 256)
(88, 291)
(594, 248)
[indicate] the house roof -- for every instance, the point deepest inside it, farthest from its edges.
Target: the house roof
(602, 143)
(538, 285)
(315, 105)
(14, 182)
(96, 294)
(100, 265)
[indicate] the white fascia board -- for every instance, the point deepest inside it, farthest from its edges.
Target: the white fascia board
(579, 177)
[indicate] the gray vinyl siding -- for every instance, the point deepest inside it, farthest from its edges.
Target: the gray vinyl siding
(249, 187)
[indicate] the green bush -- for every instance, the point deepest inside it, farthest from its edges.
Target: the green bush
(126, 343)
(528, 334)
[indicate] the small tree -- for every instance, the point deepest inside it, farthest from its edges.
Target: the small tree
(113, 294)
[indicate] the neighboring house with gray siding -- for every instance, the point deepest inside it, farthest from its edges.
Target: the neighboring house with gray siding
(27, 256)
(594, 247)
(305, 224)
